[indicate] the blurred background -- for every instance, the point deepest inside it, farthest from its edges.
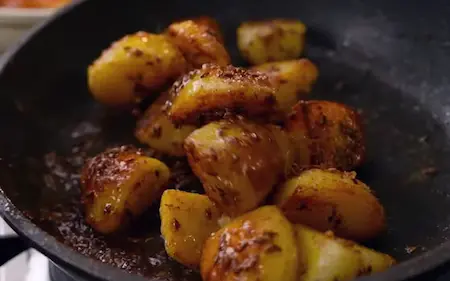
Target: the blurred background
(16, 19)
(33, 3)
(18, 16)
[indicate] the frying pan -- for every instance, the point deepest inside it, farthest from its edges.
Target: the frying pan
(389, 59)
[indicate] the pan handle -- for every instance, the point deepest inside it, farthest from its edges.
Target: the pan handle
(10, 247)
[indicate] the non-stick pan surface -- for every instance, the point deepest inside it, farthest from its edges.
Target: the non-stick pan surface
(390, 59)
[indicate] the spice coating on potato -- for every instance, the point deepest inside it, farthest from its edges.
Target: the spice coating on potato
(327, 134)
(271, 40)
(209, 93)
(323, 257)
(237, 161)
(133, 67)
(258, 246)
(187, 220)
(332, 200)
(198, 42)
(293, 80)
(118, 184)
(212, 24)
(157, 131)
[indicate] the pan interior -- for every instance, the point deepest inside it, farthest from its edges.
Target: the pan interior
(369, 57)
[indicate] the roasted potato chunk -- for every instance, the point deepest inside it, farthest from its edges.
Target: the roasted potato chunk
(157, 131)
(332, 200)
(258, 246)
(324, 257)
(212, 24)
(372, 261)
(271, 40)
(119, 183)
(327, 135)
(211, 92)
(237, 161)
(286, 147)
(187, 220)
(293, 80)
(198, 42)
(133, 67)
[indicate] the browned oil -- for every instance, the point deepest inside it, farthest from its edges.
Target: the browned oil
(139, 249)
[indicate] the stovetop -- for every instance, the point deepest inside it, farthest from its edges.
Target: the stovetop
(28, 266)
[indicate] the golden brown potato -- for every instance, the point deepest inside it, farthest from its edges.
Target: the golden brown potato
(119, 183)
(293, 80)
(198, 42)
(187, 220)
(324, 257)
(287, 149)
(212, 24)
(237, 161)
(372, 261)
(258, 246)
(271, 40)
(211, 92)
(133, 67)
(156, 130)
(327, 135)
(332, 200)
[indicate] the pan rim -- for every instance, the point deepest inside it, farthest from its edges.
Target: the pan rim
(67, 257)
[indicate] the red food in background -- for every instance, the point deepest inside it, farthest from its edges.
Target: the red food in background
(34, 3)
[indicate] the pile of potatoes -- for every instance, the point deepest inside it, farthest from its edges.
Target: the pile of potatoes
(280, 195)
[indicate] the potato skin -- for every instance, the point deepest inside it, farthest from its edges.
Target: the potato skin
(293, 79)
(198, 42)
(271, 40)
(327, 135)
(133, 67)
(187, 220)
(237, 161)
(156, 130)
(324, 257)
(258, 246)
(332, 200)
(118, 183)
(210, 93)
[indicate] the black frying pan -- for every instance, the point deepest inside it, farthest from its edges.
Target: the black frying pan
(388, 58)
